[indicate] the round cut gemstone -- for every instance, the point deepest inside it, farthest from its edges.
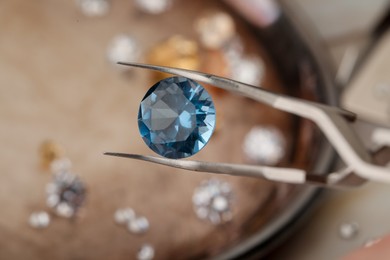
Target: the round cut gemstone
(176, 117)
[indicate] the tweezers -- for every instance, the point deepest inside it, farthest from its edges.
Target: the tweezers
(334, 122)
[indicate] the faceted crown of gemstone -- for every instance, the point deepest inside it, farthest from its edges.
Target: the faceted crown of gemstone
(176, 117)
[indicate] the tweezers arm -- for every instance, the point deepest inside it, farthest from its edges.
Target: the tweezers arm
(340, 133)
(287, 175)
(240, 88)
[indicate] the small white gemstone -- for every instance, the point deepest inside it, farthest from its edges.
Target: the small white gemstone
(52, 200)
(348, 230)
(146, 252)
(212, 201)
(64, 210)
(123, 216)
(94, 7)
(51, 188)
(215, 218)
(264, 145)
(202, 212)
(60, 165)
(226, 188)
(213, 189)
(153, 6)
(215, 29)
(39, 220)
(233, 50)
(201, 197)
(65, 194)
(220, 204)
(123, 48)
(138, 225)
(249, 70)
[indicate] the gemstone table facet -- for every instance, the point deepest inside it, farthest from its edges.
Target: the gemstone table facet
(176, 117)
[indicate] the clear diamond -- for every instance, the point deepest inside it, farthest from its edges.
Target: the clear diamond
(215, 29)
(59, 165)
(264, 145)
(94, 7)
(212, 201)
(348, 230)
(123, 216)
(65, 194)
(138, 226)
(201, 197)
(176, 117)
(249, 70)
(220, 204)
(146, 252)
(39, 220)
(52, 200)
(63, 209)
(153, 6)
(123, 47)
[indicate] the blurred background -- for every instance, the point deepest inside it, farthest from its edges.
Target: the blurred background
(64, 101)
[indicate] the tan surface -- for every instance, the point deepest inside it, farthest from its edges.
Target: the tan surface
(55, 83)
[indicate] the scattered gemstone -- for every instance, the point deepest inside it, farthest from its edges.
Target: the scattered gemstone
(123, 48)
(215, 29)
(39, 220)
(348, 230)
(138, 225)
(146, 252)
(153, 6)
(52, 200)
(49, 152)
(65, 194)
(178, 52)
(93, 8)
(64, 210)
(264, 145)
(249, 70)
(123, 216)
(212, 201)
(176, 117)
(220, 203)
(234, 49)
(60, 165)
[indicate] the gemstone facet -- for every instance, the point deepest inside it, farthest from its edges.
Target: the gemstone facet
(176, 117)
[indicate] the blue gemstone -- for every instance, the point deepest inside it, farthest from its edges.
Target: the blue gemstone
(176, 117)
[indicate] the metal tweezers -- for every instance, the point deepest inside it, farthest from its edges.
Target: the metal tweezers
(334, 122)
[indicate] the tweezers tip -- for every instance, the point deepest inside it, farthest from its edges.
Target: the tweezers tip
(126, 63)
(118, 154)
